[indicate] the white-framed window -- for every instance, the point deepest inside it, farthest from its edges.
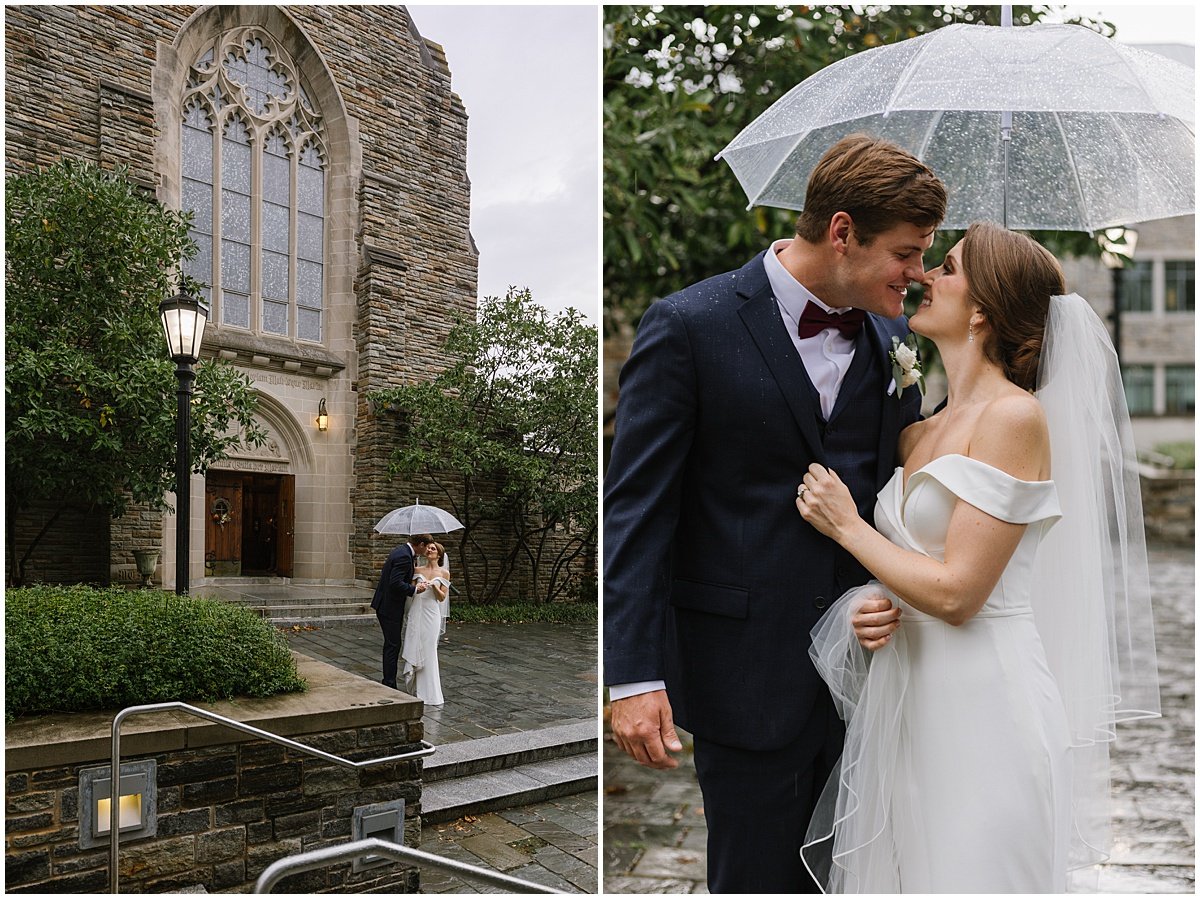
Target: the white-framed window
(1139, 388)
(1179, 382)
(254, 166)
(1158, 389)
(1159, 285)
(1159, 291)
(1137, 286)
(1179, 285)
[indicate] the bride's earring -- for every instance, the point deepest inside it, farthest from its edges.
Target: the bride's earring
(970, 332)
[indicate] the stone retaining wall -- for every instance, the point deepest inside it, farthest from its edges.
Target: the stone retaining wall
(227, 805)
(1169, 505)
(74, 549)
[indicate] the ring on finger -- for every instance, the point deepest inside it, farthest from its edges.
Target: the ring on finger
(800, 490)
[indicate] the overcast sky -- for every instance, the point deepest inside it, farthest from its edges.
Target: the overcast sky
(529, 77)
(1146, 24)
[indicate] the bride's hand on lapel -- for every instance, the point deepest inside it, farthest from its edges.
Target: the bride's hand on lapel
(825, 503)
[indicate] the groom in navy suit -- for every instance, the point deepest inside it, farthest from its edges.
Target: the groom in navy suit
(712, 580)
(393, 591)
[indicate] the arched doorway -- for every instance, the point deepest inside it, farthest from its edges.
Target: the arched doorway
(250, 524)
(250, 500)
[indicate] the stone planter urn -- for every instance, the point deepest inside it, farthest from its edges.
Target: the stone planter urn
(147, 562)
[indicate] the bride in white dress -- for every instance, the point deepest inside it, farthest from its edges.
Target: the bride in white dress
(1011, 543)
(424, 622)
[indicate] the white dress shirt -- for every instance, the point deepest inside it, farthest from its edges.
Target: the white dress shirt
(826, 357)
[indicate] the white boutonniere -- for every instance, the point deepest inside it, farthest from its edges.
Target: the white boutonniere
(906, 365)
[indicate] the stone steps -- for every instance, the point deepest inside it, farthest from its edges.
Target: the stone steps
(490, 773)
(321, 613)
(339, 619)
(284, 605)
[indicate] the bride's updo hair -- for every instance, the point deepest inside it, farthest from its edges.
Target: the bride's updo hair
(1011, 278)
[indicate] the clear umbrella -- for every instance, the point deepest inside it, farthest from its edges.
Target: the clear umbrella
(418, 519)
(1101, 134)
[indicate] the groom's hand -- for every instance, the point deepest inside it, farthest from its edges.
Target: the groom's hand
(644, 727)
(875, 622)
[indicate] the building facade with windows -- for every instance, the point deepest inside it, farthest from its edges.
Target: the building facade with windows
(1155, 327)
(323, 156)
(1150, 305)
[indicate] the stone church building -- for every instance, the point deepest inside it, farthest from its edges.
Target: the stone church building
(323, 155)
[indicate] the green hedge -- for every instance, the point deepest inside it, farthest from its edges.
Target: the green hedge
(519, 613)
(74, 649)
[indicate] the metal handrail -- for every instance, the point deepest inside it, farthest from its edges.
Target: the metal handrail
(328, 855)
(115, 771)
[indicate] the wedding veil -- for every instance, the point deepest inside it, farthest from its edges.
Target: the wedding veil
(445, 604)
(1092, 581)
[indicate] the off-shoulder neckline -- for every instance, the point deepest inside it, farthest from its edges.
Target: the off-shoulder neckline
(906, 481)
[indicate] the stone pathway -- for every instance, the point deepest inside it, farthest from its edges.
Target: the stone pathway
(655, 834)
(496, 678)
(1153, 771)
(552, 843)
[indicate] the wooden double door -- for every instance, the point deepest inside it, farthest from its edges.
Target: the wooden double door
(250, 524)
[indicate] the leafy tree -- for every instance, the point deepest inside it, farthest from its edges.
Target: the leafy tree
(507, 437)
(89, 391)
(679, 83)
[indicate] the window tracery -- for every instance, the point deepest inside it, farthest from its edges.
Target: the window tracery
(257, 193)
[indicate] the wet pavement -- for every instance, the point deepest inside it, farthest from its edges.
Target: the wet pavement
(553, 843)
(497, 679)
(655, 834)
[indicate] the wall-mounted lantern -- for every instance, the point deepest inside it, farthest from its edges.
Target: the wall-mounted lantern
(322, 416)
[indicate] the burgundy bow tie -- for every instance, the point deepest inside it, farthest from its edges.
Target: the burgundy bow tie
(814, 320)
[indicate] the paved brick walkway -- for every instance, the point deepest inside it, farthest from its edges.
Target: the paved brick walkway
(552, 843)
(655, 835)
(498, 679)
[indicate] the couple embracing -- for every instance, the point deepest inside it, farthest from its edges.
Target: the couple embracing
(410, 604)
(895, 640)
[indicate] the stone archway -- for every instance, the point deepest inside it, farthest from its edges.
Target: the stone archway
(250, 510)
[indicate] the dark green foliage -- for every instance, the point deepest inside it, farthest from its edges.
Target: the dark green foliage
(89, 392)
(74, 649)
(673, 215)
(518, 613)
(506, 440)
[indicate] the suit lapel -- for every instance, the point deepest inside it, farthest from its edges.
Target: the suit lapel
(889, 424)
(863, 362)
(760, 314)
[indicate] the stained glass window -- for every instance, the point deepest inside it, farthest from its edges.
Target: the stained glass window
(257, 195)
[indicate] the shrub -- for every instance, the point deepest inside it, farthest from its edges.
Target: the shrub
(1183, 453)
(519, 613)
(73, 649)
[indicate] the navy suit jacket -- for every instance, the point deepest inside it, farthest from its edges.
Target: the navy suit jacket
(712, 580)
(395, 583)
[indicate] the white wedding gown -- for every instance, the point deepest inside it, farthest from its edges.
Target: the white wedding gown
(956, 774)
(422, 627)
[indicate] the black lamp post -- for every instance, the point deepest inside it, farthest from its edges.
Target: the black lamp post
(1118, 245)
(183, 318)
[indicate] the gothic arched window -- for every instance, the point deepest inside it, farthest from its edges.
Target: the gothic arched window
(254, 166)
